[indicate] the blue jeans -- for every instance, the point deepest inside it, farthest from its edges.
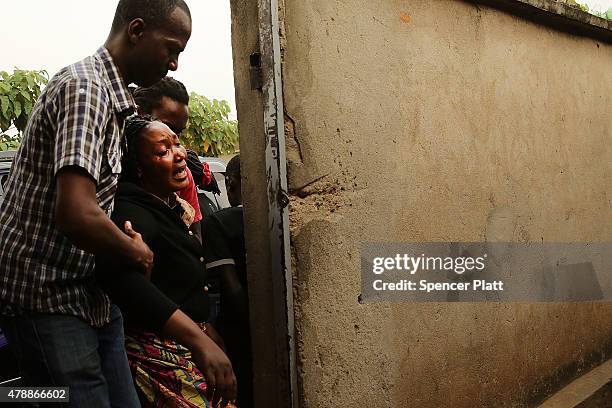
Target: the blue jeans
(65, 351)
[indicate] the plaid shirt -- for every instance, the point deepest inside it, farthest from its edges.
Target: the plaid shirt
(77, 121)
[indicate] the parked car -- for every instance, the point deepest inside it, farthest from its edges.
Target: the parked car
(209, 202)
(6, 159)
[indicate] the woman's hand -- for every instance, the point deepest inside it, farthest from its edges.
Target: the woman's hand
(206, 355)
(217, 369)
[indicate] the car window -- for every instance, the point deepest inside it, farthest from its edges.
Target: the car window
(222, 199)
(207, 205)
(210, 202)
(3, 179)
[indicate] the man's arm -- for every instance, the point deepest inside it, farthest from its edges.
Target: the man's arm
(80, 218)
(221, 261)
(233, 291)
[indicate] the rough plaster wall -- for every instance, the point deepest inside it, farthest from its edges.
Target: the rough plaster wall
(439, 121)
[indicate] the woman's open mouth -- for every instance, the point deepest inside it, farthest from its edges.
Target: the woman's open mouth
(180, 173)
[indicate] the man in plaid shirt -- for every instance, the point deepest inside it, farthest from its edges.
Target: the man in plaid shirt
(54, 218)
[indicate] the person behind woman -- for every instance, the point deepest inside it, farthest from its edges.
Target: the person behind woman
(225, 253)
(174, 363)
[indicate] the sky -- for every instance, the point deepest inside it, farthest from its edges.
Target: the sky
(597, 5)
(44, 34)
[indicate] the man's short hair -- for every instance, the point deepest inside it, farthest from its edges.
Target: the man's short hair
(149, 98)
(153, 12)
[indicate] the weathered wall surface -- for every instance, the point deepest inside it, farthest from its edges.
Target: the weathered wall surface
(439, 120)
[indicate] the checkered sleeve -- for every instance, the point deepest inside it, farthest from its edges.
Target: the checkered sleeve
(82, 113)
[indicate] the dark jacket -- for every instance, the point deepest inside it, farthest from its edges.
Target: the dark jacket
(178, 277)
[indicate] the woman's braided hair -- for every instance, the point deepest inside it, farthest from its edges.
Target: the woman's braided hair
(134, 127)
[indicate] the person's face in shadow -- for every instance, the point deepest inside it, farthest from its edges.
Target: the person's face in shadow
(232, 187)
(172, 113)
(161, 161)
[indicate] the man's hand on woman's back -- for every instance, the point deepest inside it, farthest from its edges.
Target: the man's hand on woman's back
(142, 256)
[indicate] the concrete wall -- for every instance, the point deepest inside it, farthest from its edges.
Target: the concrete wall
(435, 120)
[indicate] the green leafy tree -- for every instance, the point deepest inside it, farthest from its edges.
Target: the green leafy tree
(575, 4)
(209, 131)
(18, 93)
